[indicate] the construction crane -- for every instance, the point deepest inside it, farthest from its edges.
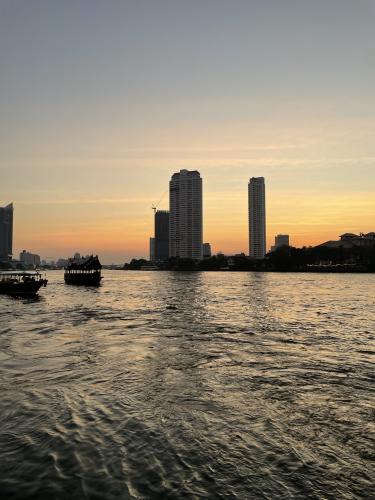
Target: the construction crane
(155, 207)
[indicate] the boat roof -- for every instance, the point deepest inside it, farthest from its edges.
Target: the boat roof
(20, 273)
(91, 263)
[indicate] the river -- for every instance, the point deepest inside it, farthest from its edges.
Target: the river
(162, 385)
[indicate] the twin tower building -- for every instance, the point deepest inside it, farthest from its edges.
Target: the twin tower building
(179, 232)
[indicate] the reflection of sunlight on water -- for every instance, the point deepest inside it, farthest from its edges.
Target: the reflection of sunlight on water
(245, 385)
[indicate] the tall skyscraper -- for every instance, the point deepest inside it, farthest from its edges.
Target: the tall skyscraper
(6, 232)
(161, 235)
(185, 215)
(257, 218)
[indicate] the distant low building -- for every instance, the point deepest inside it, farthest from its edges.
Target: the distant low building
(206, 250)
(29, 259)
(61, 262)
(351, 240)
(281, 240)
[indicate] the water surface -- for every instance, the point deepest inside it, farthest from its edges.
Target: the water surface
(189, 385)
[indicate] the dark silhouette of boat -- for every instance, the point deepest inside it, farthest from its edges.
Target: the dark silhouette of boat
(83, 271)
(20, 283)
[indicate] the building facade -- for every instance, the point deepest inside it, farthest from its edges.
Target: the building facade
(29, 259)
(351, 240)
(185, 215)
(61, 262)
(206, 250)
(161, 248)
(152, 249)
(257, 217)
(6, 232)
(281, 240)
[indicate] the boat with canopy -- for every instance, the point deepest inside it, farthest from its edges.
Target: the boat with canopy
(21, 283)
(83, 271)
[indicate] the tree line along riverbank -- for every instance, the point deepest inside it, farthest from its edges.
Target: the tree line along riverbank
(283, 259)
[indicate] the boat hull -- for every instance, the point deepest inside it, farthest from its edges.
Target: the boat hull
(21, 289)
(84, 279)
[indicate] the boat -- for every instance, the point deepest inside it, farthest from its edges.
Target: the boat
(83, 271)
(21, 283)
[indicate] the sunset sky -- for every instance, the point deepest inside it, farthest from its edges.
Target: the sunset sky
(101, 101)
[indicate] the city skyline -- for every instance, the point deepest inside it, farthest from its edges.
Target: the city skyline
(185, 204)
(101, 102)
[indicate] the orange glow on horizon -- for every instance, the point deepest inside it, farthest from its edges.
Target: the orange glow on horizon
(309, 220)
